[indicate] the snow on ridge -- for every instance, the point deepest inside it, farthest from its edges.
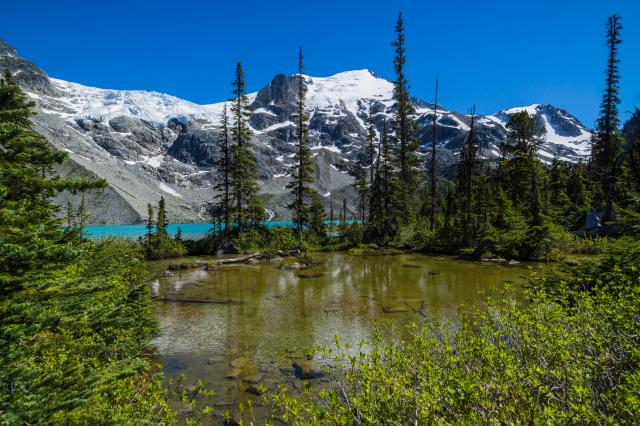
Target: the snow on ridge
(530, 109)
(166, 188)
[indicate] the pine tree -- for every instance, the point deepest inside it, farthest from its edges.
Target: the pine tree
(30, 235)
(179, 234)
(225, 167)
(245, 186)
(302, 173)
(161, 222)
(632, 144)
(331, 217)
(607, 142)
(406, 144)
(371, 147)
(82, 215)
(361, 188)
(467, 175)
(432, 174)
(316, 216)
(524, 137)
(150, 227)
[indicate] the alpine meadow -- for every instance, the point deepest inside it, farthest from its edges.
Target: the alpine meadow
(335, 250)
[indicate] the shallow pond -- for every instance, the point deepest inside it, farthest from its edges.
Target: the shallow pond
(276, 316)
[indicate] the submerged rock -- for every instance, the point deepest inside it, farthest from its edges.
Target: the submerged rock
(253, 379)
(305, 370)
(239, 362)
(233, 374)
(394, 309)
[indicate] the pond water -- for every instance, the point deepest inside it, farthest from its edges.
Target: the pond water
(277, 316)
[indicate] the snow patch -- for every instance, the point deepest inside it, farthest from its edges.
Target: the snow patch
(164, 187)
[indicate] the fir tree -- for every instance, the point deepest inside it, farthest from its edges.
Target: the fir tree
(316, 216)
(302, 173)
(150, 227)
(432, 171)
(607, 143)
(524, 137)
(161, 222)
(467, 175)
(245, 186)
(361, 188)
(225, 165)
(371, 147)
(406, 144)
(331, 217)
(83, 216)
(30, 235)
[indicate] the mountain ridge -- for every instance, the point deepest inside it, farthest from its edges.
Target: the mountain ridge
(148, 144)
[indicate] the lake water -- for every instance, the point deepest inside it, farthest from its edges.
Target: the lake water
(279, 315)
(189, 230)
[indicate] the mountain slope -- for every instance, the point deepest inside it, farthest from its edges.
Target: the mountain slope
(149, 144)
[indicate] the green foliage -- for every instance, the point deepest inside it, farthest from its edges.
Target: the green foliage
(72, 343)
(157, 243)
(302, 170)
(544, 362)
(30, 237)
(248, 209)
(406, 143)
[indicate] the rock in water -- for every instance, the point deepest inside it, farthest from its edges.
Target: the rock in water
(394, 309)
(305, 370)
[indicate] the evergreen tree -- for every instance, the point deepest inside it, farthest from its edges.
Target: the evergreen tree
(578, 194)
(361, 188)
(150, 228)
(521, 167)
(82, 215)
(371, 147)
(225, 167)
(302, 173)
(432, 171)
(179, 234)
(385, 205)
(161, 222)
(632, 145)
(406, 144)
(316, 216)
(467, 175)
(30, 235)
(607, 142)
(245, 186)
(331, 217)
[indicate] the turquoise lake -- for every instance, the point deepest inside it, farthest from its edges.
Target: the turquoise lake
(190, 231)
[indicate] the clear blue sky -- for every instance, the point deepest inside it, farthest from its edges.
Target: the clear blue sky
(495, 54)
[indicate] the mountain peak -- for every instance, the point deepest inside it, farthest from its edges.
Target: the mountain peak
(6, 49)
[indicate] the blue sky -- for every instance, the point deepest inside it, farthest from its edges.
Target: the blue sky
(495, 54)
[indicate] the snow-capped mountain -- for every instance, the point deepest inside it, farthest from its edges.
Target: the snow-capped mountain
(148, 144)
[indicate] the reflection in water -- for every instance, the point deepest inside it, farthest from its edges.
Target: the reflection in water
(281, 316)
